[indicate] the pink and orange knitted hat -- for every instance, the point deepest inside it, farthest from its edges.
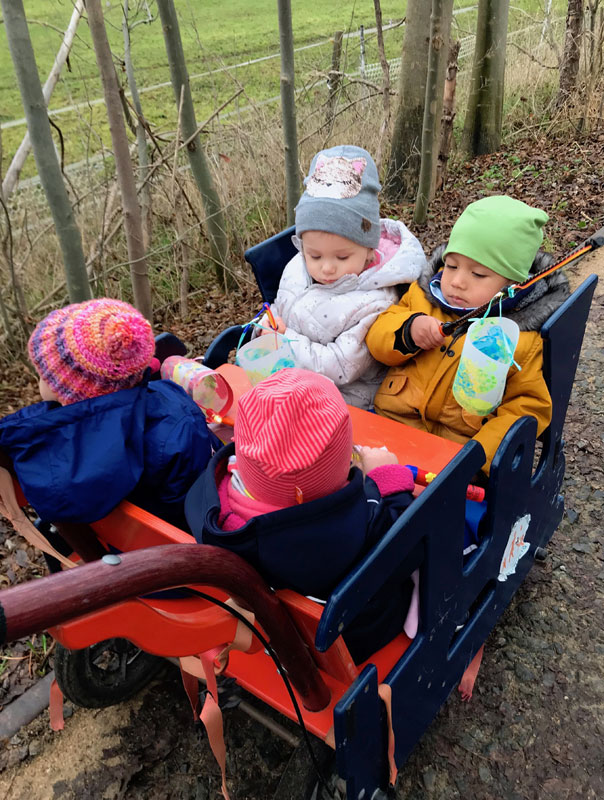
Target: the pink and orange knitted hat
(93, 348)
(293, 438)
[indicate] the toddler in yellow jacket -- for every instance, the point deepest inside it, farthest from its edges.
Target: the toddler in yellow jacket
(494, 243)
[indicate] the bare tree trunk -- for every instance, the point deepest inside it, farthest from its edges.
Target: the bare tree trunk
(385, 81)
(45, 154)
(569, 68)
(441, 71)
(141, 135)
(440, 18)
(288, 108)
(592, 38)
(333, 81)
(16, 165)
(123, 164)
(448, 116)
(216, 227)
(594, 57)
(482, 128)
(405, 153)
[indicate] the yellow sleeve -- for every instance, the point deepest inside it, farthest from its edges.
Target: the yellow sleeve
(380, 337)
(526, 393)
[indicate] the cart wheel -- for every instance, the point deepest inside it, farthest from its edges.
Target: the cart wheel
(300, 781)
(104, 674)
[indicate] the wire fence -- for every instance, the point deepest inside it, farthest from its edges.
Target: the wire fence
(374, 72)
(88, 175)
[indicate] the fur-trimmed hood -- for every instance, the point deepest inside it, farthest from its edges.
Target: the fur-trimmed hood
(533, 310)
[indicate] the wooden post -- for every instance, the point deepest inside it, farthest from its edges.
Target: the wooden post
(362, 48)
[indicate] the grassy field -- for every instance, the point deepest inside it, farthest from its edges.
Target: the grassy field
(214, 35)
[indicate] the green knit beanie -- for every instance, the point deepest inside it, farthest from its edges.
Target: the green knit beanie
(500, 233)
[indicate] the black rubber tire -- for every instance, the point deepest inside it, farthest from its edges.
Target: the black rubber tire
(104, 674)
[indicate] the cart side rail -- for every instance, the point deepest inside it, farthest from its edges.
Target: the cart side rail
(25, 609)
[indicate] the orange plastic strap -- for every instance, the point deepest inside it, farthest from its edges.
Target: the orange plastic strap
(191, 684)
(242, 640)
(10, 508)
(330, 738)
(206, 667)
(385, 692)
(55, 707)
(468, 679)
(211, 716)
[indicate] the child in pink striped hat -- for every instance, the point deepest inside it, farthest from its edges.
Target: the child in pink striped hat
(104, 431)
(286, 497)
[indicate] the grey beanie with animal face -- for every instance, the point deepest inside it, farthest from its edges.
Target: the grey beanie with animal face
(341, 196)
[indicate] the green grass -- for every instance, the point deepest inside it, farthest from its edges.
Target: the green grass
(214, 34)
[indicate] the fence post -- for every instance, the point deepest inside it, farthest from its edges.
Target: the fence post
(362, 42)
(546, 21)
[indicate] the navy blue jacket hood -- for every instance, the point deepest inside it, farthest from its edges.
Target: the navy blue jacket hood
(307, 547)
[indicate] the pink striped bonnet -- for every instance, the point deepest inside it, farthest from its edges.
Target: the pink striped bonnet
(293, 438)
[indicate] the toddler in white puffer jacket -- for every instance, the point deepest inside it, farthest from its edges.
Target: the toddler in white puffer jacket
(349, 269)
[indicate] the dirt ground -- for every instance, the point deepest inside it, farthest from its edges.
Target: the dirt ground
(535, 726)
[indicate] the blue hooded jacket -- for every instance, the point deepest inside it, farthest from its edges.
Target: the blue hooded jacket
(75, 463)
(312, 546)
(308, 547)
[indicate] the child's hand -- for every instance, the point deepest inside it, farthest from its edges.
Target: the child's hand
(425, 332)
(267, 328)
(372, 457)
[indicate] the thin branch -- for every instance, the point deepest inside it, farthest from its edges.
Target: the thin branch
(340, 111)
(175, 164)
(63, 172)
(531, 56)
(7, 247)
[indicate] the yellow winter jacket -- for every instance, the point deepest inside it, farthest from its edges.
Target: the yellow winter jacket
(417, 389)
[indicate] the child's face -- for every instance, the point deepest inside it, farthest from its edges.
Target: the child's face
(329, 256)
(467, 284)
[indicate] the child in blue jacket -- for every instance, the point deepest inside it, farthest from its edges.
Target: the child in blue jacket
(285, 497)
(103, 432)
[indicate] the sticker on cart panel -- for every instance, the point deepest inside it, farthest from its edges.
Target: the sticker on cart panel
(515, 548)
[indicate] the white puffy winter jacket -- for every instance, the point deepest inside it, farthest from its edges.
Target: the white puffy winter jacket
(327, 324)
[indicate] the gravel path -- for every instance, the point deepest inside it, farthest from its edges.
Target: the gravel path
(535, 726)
